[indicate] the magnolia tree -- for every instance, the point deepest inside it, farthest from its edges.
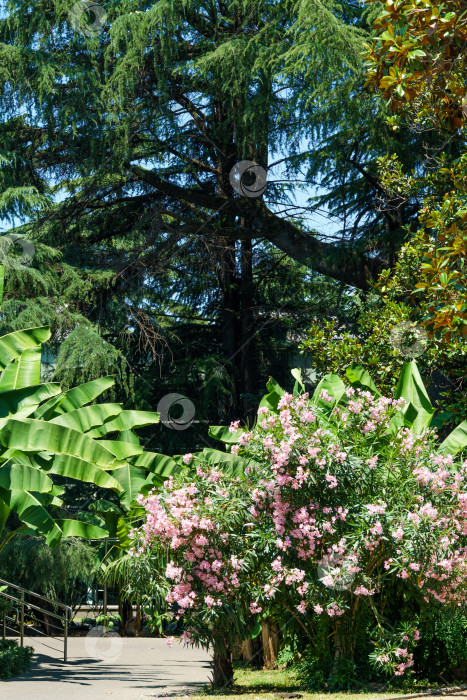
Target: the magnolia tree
(332, 512)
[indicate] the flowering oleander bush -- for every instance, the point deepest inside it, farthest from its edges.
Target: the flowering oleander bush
(330, 513)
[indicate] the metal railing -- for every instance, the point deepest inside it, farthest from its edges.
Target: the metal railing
(22, 603)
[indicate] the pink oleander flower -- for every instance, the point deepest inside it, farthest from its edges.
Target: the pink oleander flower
(254, 608)
(377, 528)
(362, 590)
(301, 607)
(377, 509)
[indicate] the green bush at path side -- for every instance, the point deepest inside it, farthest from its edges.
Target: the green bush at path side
(13, 659)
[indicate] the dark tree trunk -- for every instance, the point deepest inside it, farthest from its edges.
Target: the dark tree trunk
(125, 610)
(222, 669)
(248, 368)
(230, 312)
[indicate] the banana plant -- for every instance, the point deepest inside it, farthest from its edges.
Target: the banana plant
(418, 415)
(47, 432)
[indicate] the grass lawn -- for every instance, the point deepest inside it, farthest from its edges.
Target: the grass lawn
(268, 685)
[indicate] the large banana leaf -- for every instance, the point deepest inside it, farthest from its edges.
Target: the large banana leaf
(30, 435)
(131, 479)
(223, 434)
(360, 378)
(76, 528)
(14, 344)
(299, 386)
(109, 512)
(31, 512)
(25, 401)
(121, 450)
(456, 441)
(23, 372)
(89, 417)
(4, 513)
(20, 476)
(127, 420)
(129, 436)
(230, 465)
(333, 385)
(157, 463)
(272, 399)
(410, 387)
(79, 469)
(75, 398)
(152, 481)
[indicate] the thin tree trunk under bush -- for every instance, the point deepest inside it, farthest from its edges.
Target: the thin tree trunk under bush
(222, 669)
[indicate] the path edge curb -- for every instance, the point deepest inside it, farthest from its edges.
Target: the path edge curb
(437, 691)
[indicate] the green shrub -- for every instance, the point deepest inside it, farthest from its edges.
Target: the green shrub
(62, 573)
(443, 646)
(13, 659)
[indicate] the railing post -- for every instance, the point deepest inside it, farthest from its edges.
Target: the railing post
(65, 650)
(22, 619)
(4, 624)
(105, 584)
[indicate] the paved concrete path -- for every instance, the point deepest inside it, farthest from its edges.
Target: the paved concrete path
(113, 668)
(442, 696)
